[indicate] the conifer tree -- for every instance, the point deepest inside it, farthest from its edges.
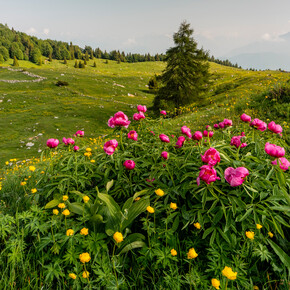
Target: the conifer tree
(95, 65)
(186, 75)
(15, 61)
(50, 57)
(87, 56)
(76, 64)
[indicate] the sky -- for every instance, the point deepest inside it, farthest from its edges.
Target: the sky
(220, 26)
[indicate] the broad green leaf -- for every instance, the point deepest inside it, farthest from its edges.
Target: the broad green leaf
(109, 185)
(285, 259)
(218, 216)
(52, 203)
(76, 207)
(175, 225)
(207, 232)
(245, 215)
(134, 245)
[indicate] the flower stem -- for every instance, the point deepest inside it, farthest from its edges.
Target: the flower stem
(114, 268)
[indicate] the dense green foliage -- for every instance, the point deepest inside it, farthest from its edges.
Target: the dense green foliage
(186, 75)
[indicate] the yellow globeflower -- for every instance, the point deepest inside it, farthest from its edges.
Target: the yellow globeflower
(173, 205)
(159, 192)
(61, 205)
(42, 172)
(85, 257)
(88, 149)
(118, 237)
(72, 275)
(86, 274)
(137, 198)
(191, 254)
(270, 235)
(84, 231)
(215, 283)
(258, 226)
(150, 209)
(93, 161)
(228, 272)
(197, 225)
(66, 212)
(173, 252)
(55, 211)
(256, 288)
(23, 183)
(64, 197)
(32, 168)
(86, 199)
(69, 232)
(250, 235)
(33, 190)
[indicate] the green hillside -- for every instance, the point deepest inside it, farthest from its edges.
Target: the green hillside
(32, 112)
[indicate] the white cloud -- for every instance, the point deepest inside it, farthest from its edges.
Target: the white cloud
(31, 30)
(46, 31)
(129, 42)
(275, 37)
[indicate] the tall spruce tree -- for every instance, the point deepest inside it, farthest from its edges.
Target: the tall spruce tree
(15, 61)
(186, 75)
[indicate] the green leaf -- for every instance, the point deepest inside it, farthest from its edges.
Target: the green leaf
(175, 225)
(134, 245)
(245, 215)
(281, 178)
(207, 232)
(285, 259)
(212, 238)
(218, 216)
(76, 207)
(52, 203)
(109, 185)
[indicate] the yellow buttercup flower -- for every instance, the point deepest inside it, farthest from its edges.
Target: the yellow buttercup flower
(88, 149)
(250, 235)
(85, 257)
(61, 205)
(118, 237)
(137, 198)
(69, 232)
(42, 172)
(270, 235)
(86, 199)
(86, 274)
(23, 183)
(228, 272)
(55, 211)
(33, 190)
(197, 225)
(93, 161)
(173, 252)
(150, 209)
(258, 226)
(173, 205)
(72, 275)
(159, 192)
(191, 254)
(64, 197)
(32, 168)
(215, 283)
(84, 231)
(66, 212)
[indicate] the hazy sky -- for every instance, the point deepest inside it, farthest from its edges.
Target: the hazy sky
(147, 26)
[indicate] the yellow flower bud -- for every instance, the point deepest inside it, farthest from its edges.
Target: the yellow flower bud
(69, 232)
(64, 197)
(258, 226)
(191, 254)
(84, 231)
(250, 235)
(86, 199)
(197, 225)
(72, 275)
(215, 283)
(55, 211)
(32, 168)
(33, 190)
(61, 205)
(173, 252)
(173, 205)
(118, 237)
(270, 235)
(66, 212)
(86, 274)
(159, 192)
(85, 257)
(228, 272)
(150, 209)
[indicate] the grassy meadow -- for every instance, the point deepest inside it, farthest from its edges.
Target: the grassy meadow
(32, 112)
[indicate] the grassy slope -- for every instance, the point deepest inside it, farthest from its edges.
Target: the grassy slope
(30, 109)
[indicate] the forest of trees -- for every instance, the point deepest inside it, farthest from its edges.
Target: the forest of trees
(25, 47)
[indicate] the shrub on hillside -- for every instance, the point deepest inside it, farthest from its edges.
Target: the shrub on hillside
(61, 83)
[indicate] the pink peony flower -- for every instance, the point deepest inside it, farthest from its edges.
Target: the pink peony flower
(185, 130)
(206, 133)
(141, 108)
(259, 125)
(211, 157)
(79, 133)
(228, 122)
(164, 138)
(164, 154)
(52, 143)
(110, 146)
(207, 127)
(207, 174)
(274, 150)
(138, 116)
(152, 133)
(275, 128)
(236, 141)
(180, 142)
(68, 141)
(197, 135)
(245, 118)
(283, 163)
(163, 112)
(76, 148)
(119, 120)
(133, 135)
(216, 126)
(236, 177)
(221, 125)
(129, 164)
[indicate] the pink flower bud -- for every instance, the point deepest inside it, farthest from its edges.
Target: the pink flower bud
(275, 128)
(245, 118)
(164, 138)
(258, 124)
(68, 141)
(207, 174)
(180, 142)
(274, 150)
(141, 108)
(236, 141)
(221, 125)
(79, 133)
(211, 157)
(138, 116)
(197, 135)
(163, 112)
(236, 177)
(129, 164)
(216, 126)
(110, 146)
(283, 163)
(228, 122)
(119, 120)
(76, 148)
(185, 130)
(52, 143)
(164, 154)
